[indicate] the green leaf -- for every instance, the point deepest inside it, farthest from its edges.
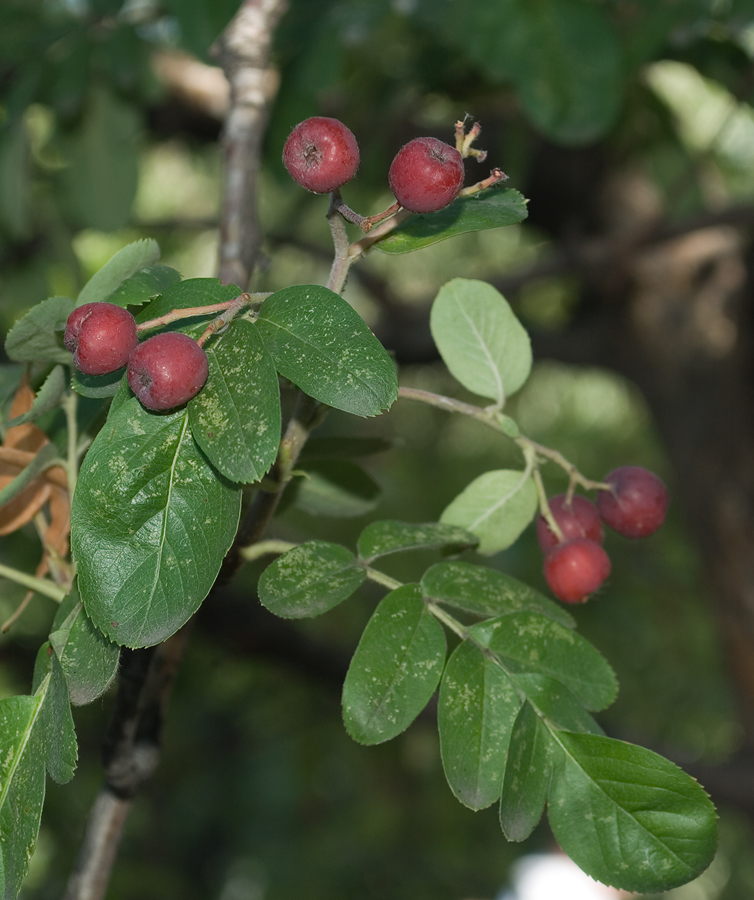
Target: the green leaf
(22, 787)
(97, 386)
(527, 776)
(528, 641)
(480, 339)
(150, 524)
(47, 398)
(339, 488)
(89, 660)
(487, 592)
(382, 538)
(477, 707)
(55, 722)
(488, 209)
(38, 336)
(150, 282)
(123, 265)
(628, 817)
(44, 459)
(395, 669)
(235, 418)
(309, 580)
(322, 345)
(496, 507)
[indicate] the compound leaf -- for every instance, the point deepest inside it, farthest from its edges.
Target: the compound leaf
(480, 339)
(235, 418)
(628, 817)
(486, 592)
(496, 507)
(388, 536)
(150, 524)
(310, 580)
(322, 344)
(395, 669)
(477, 707)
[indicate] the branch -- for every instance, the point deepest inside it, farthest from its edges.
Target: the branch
(243, 51)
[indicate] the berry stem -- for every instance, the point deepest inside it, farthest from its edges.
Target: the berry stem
(496, 176)
(574, 476)
(231, 311)
(544, 505)
(365, 223)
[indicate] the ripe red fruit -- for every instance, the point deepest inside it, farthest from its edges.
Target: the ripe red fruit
(426, 175)
(575, 569)
(636, 505)
(167, 370)
(577, 519)
(321, 154)
(101, 337)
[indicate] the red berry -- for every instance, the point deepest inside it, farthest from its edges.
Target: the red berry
(321, 154)
(167, 370)
(637, 503)
(577, 519)
(575, 569)
(426, 175)
(101, 337)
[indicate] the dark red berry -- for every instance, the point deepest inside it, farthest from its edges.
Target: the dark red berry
(101, 336)
(577, 519)
(426, 175)
(167, 370)
(321, 154)
(636, 505)
(575, 569)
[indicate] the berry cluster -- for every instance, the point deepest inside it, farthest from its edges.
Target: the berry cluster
(634, 504)
(321, 154)
(164, 371)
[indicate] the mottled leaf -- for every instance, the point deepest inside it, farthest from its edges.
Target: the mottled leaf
(150, 524)
(322, 344)
(309, 580)
(388, 536)
(395, 669)
(477, 707)
(235, 418)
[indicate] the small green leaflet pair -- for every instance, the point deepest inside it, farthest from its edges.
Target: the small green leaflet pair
(488, 351)
(515, 703)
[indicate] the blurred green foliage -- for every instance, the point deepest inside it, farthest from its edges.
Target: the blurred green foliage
(260, 793)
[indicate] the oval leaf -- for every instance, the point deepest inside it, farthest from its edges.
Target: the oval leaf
(144, 286)
(235, 418)
(628, 817)
(527, 776)
(382, 538)
(89, 660)
(324, 346)
(150, 524)
(486, 592)
(38, 336)
(480, 339)
(496, 507)
(488, 209)
(309, 580)
(477, 708)
(395, 668)
(534, 643)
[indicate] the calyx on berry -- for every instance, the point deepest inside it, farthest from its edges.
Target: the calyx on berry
(101, 337)
(321, 154)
